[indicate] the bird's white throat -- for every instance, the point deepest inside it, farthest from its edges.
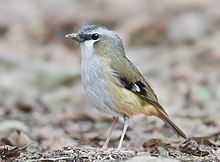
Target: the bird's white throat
(87, 49)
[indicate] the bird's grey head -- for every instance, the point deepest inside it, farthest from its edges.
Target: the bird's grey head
(92, 37)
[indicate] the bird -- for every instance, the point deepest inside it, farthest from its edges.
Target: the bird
(112, 82)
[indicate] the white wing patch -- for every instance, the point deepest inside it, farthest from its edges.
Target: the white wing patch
(135, 88)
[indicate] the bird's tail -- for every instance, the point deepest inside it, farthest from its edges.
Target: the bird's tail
(173, 126)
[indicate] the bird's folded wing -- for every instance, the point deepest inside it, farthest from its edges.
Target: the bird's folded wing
(127, 76)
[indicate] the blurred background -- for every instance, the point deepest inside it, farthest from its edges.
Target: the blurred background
(175, 44)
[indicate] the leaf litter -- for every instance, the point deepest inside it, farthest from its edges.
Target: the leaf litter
(78, 154)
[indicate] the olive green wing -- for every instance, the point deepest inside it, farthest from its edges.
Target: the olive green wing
(127, 76)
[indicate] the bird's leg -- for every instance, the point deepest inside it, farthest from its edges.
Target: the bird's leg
(114, 122)
(123, 132)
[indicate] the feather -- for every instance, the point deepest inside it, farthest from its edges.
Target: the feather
(129, 77)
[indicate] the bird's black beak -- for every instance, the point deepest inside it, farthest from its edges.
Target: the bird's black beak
(73, 36)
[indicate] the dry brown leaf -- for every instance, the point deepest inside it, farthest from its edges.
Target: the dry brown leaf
(9, 153)
(193, 148)
(152, 146)
(152, 143)
(5, 141)
(24, 107)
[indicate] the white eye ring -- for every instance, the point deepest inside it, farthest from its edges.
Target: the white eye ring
(95, 36)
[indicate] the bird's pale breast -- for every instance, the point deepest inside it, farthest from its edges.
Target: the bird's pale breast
(95, 82)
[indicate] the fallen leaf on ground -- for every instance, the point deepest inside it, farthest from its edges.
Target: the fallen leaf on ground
(9, 153)
(193, 148)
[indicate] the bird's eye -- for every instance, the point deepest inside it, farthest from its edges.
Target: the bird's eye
(95, 36)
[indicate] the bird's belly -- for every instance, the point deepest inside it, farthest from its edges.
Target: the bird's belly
(95, 83)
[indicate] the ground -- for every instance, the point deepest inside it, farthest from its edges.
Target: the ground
(44, 112)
